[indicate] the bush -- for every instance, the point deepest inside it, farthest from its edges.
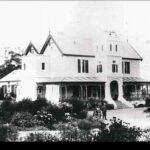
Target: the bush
(77, 105)
(147, 110)
(7, 109)
(118, 131)
(57, 112)
(41, 137)
(7, 133)
(39, 104)
(92, 103)
(84, 125)
(26, 105)
(45, 118)
(110, 106)
(81, 115)
(147, 104)
(23, 119)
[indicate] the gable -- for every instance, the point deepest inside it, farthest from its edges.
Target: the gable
(31, 49)
(128, 52)
(70, 46)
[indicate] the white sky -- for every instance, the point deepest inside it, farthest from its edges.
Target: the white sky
(23, 21)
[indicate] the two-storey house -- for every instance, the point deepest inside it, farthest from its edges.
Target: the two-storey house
(103, 68)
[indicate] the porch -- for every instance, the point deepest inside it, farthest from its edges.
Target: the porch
(82, 91)
(136, 89)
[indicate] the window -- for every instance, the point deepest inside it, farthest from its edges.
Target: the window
(84, 65)
(116, 48)
(43, 66)
(110, 47)
(126, 67)
(99, 68)
(79, 65)
(24, 66)
(114, 67)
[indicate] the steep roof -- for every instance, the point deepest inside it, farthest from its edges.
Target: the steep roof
(28, 49)
(128, 51)
(70, 46)
(13, 76)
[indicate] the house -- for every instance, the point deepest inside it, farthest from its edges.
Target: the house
(103, 68)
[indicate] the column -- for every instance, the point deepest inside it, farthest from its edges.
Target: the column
(81, 91)
(100, 90)
(66, 92)
(86, 92)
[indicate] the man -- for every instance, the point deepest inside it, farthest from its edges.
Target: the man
(104, 111)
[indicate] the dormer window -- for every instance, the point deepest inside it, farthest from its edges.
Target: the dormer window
(32, 50)
(110, 47)
(116, 48)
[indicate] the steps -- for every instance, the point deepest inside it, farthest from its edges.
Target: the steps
(121, 105)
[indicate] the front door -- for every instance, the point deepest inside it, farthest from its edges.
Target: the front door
(114, 90)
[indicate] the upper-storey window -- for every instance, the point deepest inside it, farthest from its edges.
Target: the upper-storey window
(24, 66)
(114, 67)
(43, 66)
(99, 67)
(116, 47)
(83, 66)
(110, 47)
(126, 67)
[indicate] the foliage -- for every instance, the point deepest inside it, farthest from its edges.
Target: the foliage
(56, 111)
(118, 131)
(77, 105)
(41, 137)
(147, 104)
(109, 106)
(23, 119)
(84, 124)
(45, 118)
(26, 105)
(7, 133)
(147, 110)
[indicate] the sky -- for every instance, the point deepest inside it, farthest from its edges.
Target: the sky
(25, 21)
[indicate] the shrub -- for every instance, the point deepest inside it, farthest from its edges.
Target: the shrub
(84, 125)
(110, 106)
(77, 105)
(41, 137)
(147, 110)
(92, 103)
(147, 104)
(23, 119)
(39, 104)
(45, 118)
(7, 133)
(25, 105)
(7, 109)
(81, 115)
(119, 131)
(57, 112)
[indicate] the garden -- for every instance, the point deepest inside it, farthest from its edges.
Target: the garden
(66, 122)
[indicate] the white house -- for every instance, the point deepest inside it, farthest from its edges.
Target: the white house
(106, 68)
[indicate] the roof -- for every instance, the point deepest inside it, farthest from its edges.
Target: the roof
(72, 46)
(12, 77)
(135, 79)
(28, 49)
(70, 79)
(128, 52)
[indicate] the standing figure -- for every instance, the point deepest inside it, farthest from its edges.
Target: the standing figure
(104, 111)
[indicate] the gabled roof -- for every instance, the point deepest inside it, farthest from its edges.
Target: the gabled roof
(12, 77)
(70, 46)
(28, 49)
(128, 52)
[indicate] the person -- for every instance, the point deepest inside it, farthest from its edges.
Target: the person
(104, 111)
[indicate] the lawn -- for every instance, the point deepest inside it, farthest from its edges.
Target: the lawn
(136, 116)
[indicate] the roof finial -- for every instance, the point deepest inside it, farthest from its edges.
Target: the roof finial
(49, 31)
